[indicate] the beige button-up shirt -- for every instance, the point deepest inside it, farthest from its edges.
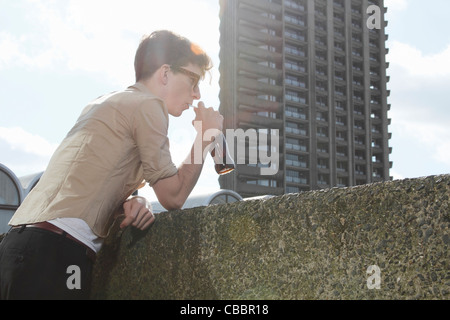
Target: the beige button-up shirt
(118, 141)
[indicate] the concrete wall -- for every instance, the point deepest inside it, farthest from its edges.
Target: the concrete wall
(312, 245)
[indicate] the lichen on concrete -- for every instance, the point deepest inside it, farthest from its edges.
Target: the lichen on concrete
(311, 245)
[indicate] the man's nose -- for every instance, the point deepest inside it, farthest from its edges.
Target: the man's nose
(197, 95)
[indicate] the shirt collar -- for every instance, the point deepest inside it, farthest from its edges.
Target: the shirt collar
(140, 87)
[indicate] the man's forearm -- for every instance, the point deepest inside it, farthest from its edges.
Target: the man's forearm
(189, 171)
(172, 192)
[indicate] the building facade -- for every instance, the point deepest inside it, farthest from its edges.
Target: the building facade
(315, 70)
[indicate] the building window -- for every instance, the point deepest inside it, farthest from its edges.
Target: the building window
(263, 182)
(323, 179)
(10, 198)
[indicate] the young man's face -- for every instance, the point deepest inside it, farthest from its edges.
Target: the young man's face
(183, 89)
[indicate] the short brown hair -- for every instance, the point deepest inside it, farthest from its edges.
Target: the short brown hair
(165, 47)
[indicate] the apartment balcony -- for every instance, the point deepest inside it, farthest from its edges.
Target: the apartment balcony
(322, 138)
(320, 28)
(260, 87)
(357, 42)
(374, 49)
(250, 120)
(258, 19)
(373, 34)
(323, 170)
(341, 142)
(375, 120)
(358, 85)
(296, 180)
(340, 111)
(297, 52)
(321, 75)
(356, 12)
(339, 33)
(340, 93)
(295, 67)
(294, 7)
(295, 82)
(360, 145)
(338, 6)
(357, 56)
(296, 132)
(295, 21)
(264, 5)
(260, 54)
(295, 97)
(262, 37)
(260, 70)
(320, 44)
(357, 72)
(358, 115)
(291, 115)
(244, 188)
(359, 129)
(377, 149)
(341, 156)
(296, 148)
(295, 37)
(252, 104)
(247, 171)
(342, 173)
(296, 164)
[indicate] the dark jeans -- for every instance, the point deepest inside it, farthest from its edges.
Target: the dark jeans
(40, 264)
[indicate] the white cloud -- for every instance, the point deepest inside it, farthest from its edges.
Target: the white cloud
(101, 36)
(434, 136)
(19, 139)
(23, 152)
(423, 133)
(418, 64)
(420, 115)
(396, 5)
(396, 175)
(13, 53)
(8, 48)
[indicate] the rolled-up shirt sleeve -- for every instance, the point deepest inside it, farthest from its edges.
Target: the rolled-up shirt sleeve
(151, 122)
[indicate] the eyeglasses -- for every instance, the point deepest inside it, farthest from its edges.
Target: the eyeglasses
(195, 77)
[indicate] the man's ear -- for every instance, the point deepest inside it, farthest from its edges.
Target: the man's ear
(164, 73)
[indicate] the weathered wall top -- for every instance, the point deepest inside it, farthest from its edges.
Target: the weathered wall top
(312, 245)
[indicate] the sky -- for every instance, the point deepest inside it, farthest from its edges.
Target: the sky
(57, 56)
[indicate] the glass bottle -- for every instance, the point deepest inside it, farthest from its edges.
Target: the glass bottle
(224, 163)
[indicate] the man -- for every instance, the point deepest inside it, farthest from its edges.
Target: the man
(118, 141)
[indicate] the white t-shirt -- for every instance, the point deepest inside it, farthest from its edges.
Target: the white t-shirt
(80, 230)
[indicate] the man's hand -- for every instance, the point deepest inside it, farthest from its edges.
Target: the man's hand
(210, 118)
(138, 213)
(173, 191)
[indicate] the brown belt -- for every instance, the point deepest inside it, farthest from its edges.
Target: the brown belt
(52, 228)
